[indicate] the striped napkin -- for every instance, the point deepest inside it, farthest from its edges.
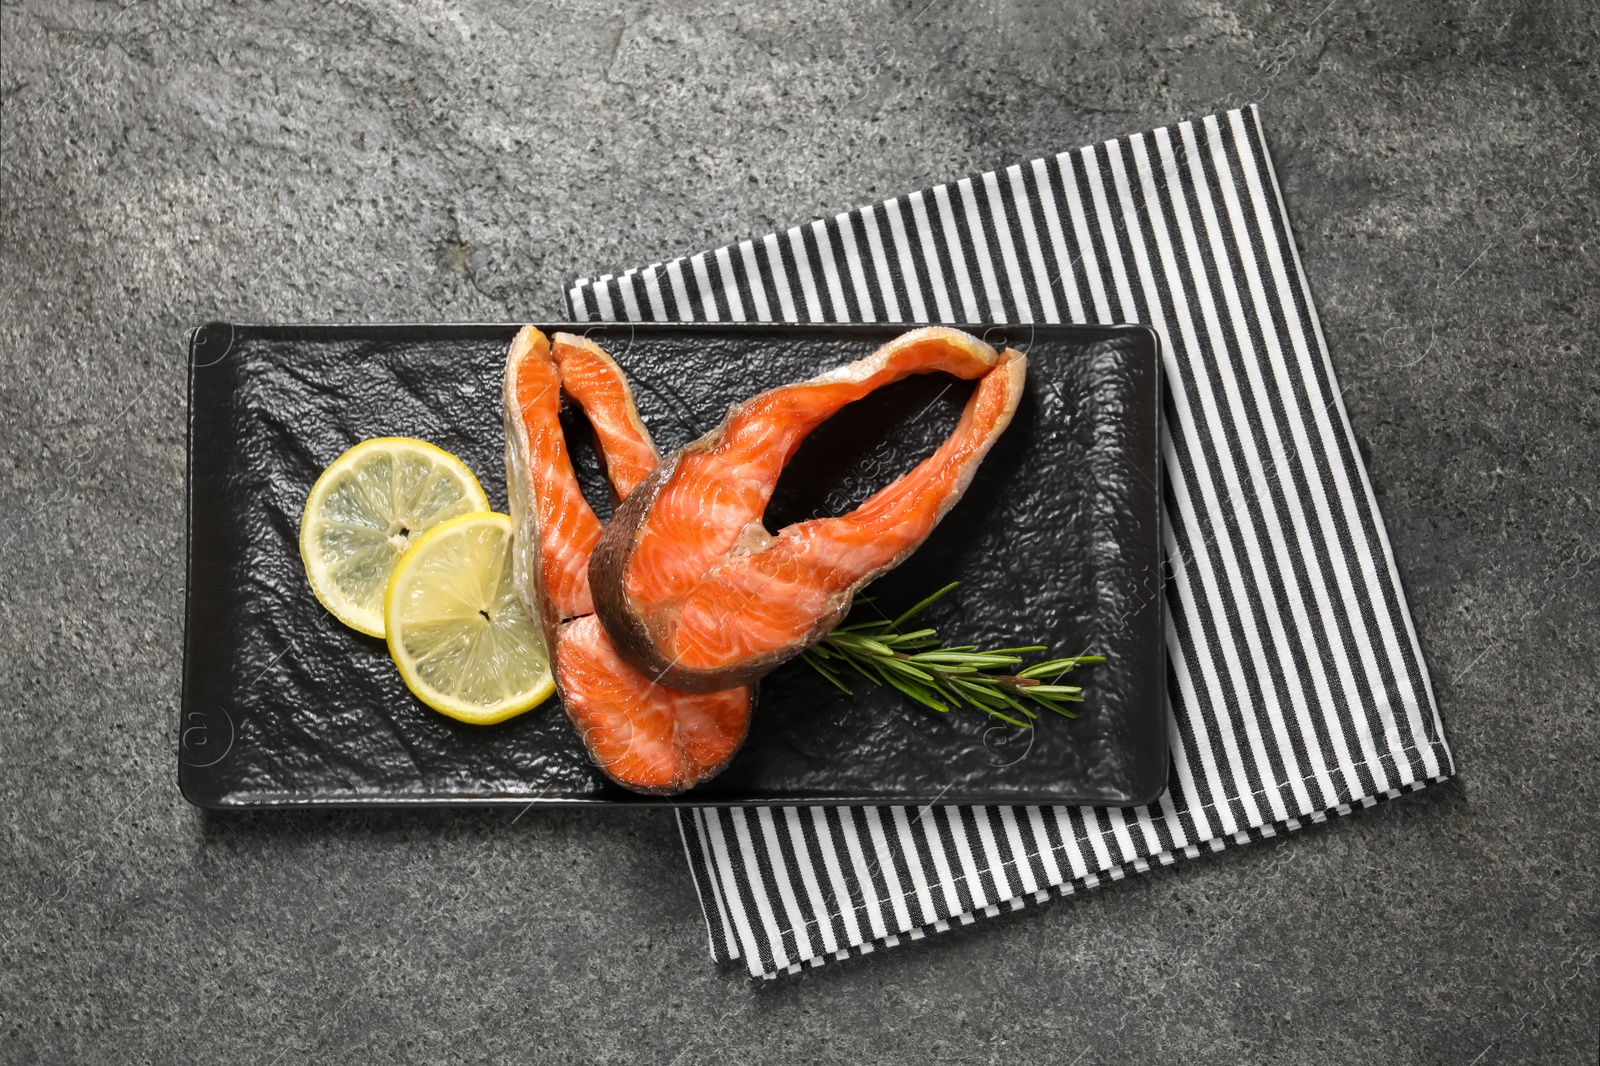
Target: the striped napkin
(1297, 685)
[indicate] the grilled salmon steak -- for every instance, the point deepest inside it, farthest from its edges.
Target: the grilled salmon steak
(640, 733)
(692, 587)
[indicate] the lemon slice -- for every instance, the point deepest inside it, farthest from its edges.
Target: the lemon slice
(367, 508)
(457, 631)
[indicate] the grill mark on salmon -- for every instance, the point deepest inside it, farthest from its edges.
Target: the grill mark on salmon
(640, 733)
(696, 591)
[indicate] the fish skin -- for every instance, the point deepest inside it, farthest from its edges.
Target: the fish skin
(692, 587)
(642, 735)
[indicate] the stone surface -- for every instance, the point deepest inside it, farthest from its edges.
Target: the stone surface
(170, 161)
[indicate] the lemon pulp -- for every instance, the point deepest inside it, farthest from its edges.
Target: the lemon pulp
(456, 630)
(367, 508)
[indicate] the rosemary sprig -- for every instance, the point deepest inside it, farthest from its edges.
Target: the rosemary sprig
(939, 677)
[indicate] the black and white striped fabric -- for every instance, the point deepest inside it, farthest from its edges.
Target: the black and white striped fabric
(1296, 681)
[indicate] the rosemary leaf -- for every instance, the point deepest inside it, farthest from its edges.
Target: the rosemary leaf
(1059, 666)
(924, 605)
(860, 667)
(826, 671)
(965, 658)
(1011, 701)
(1058, 691)
(917, 693)
(905, 667)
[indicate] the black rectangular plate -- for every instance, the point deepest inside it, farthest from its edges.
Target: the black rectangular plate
(1057, 542)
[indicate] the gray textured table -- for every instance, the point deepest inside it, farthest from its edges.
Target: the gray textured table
(166, 163)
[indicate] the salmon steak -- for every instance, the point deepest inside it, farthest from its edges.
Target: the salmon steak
(643, 735)
(692, 587)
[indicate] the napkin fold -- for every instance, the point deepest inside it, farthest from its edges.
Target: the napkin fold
(1297, 686)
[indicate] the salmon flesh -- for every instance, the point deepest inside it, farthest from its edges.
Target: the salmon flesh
(641, 734)
(692, 587)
